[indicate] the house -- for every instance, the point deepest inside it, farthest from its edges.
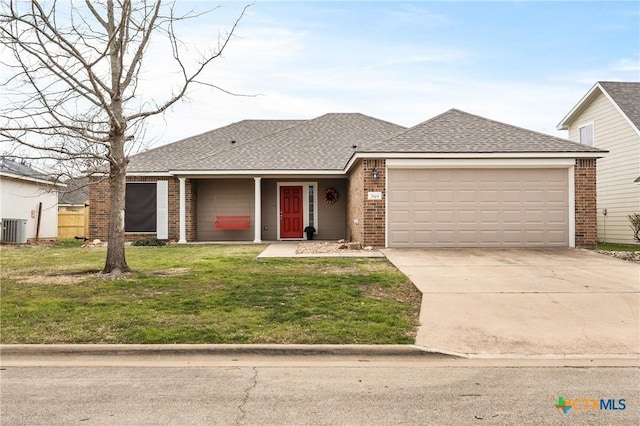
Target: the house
(29, 203)
(456, 180)
(608, 117)
(73, 209)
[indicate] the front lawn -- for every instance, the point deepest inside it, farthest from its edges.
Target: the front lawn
(202, 294)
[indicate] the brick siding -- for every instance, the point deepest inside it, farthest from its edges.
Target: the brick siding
(585, 203)
(355, 206)
(99, 208)
(370, 214)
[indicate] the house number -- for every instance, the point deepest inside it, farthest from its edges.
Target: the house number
(375, 195)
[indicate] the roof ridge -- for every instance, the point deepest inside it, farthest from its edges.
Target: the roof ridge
(459, 131)
(615, 82)
(617, 92)
(358, 114)
(515, 127)
(382, 121)
(324, 141)
(408, 129)
(456, 110)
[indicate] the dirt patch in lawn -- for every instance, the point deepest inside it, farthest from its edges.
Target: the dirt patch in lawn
(403, 294)
(58, 278)
(171, 272)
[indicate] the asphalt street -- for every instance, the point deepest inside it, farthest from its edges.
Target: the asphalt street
(439, 392)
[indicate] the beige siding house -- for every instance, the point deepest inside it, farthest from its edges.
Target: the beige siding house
(608, 117)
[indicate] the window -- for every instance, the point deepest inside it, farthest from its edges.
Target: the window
(146, 207)
(312, 209)
(586, 135)
(140, 207)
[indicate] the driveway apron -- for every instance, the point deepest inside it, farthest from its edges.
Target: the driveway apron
(513, 302)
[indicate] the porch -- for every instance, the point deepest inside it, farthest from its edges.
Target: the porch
(260, 209)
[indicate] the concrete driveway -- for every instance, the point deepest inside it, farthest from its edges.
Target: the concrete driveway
(507, 302)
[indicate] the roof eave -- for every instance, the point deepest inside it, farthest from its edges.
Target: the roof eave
(565, 122)
(586, 99)
(32, 179)
(473, 155)
(256, 172)
(149, 173)
(364, 154)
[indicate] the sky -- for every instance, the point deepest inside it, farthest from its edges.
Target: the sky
(526, 63)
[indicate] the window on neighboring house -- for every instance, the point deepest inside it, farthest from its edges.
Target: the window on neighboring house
(586, 135)
(140, 207)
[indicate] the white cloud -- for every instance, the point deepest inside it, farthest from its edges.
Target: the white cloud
(301, 72)
(627, 65)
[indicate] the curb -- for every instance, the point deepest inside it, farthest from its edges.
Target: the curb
(222, 349)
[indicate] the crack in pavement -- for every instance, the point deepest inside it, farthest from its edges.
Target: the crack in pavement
(241, 407)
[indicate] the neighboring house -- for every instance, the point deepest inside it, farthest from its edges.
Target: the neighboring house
(73, 209)
(456, 180)
(29, 203)
(608, 117)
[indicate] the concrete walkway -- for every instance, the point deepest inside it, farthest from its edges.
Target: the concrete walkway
(511, 303)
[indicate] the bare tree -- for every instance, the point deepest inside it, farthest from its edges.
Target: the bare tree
(73, 90)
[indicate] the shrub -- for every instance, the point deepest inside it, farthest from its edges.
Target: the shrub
(635, 225)
(149, 242)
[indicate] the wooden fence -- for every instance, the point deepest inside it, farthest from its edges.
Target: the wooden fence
(73, 224)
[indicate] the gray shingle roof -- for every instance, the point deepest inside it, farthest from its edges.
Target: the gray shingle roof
(328, 143)
(13, 167)
(214, 142)
(323, 143)
(456, 131)
(76, 192)
(627, 96)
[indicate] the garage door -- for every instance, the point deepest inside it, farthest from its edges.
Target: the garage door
(478, 207)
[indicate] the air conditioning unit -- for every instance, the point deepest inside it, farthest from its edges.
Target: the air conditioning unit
(14, 231)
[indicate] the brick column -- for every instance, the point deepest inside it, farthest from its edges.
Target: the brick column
(99, 199)
(191, 210)
(355, 204)
(585, 203)
(374, 210)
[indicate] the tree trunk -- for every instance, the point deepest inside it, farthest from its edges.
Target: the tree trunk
(116, 263)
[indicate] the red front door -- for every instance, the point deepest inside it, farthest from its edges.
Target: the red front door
(291, 212)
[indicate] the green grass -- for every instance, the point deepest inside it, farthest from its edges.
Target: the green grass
(202, 294)
(618, 247)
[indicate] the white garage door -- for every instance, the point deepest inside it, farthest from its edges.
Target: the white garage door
(478, 207)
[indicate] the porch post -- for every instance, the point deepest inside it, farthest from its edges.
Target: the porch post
(257, 235)
(183, 211)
